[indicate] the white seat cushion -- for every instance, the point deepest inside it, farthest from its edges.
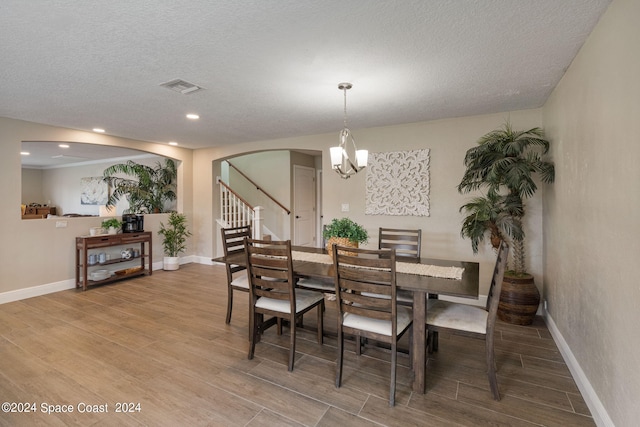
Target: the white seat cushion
(304, 299)
(241, 281)
(377, 326)
(453, 315)
(322, 285)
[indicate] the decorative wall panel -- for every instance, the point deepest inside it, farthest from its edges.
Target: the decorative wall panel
(398, 183)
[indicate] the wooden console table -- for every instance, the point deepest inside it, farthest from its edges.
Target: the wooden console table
(128, 267)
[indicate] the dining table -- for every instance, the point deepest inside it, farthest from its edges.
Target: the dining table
(422, 279)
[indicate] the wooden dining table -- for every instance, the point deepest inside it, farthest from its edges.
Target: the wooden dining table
(419, 285)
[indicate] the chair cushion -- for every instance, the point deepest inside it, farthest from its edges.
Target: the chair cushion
(324, 285)
(241, 281)
(378, 326)
(453, 315)
(304, 299)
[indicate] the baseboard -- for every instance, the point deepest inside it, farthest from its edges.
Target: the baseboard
(63, 285)
(36, 291)
(598, 411)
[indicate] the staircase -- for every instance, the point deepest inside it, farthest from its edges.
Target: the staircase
(236, 212)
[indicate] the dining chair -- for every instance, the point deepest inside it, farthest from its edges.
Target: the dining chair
(316, 284)
(407, 243)
(471, 320)
(233, 243)
(358, 279)
(273, 292)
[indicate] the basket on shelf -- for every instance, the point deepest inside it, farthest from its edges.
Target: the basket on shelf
(128, 271)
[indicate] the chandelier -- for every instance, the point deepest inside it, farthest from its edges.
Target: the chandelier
(341, 162)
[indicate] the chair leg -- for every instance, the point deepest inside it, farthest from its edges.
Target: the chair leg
(253, 332)
(358, 340)
(229, 303)
(392, 387)
(292, 344)
(320, 323)
(491, 368)
(340, 357)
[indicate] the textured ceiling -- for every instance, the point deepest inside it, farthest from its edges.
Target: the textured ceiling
(270, 68)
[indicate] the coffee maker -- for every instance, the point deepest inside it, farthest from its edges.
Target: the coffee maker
(132, 223)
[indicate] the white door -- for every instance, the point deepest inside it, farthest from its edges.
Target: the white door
(304, 194)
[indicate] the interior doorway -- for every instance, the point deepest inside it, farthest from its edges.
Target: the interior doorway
(304, 209)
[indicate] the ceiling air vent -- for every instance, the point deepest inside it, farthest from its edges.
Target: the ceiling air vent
(182, 86)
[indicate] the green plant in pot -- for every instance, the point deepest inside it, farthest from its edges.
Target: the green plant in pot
(505, 163)
(112, 225)
(148, 188)
(174, 238)
(344, 232)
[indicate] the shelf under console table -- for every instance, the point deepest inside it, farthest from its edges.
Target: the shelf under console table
(119, 267)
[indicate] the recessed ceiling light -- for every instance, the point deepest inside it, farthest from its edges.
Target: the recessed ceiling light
(193, 116)
(173, 143)
(63, 145)
(25, 153)
(98, 130)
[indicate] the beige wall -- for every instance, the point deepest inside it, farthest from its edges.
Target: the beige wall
(269, 170)
(591, 220)
(35, 252)
(448, 141)
(32, 186)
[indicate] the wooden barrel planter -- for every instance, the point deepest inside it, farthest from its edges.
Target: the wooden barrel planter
(519, 300)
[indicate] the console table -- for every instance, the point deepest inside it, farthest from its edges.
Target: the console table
(127, 267)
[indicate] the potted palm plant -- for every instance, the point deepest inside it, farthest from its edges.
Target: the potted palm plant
(344, 232)
(174, 238)
(505, 163)
(146, 188)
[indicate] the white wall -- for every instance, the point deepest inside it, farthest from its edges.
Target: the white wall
(591, 220)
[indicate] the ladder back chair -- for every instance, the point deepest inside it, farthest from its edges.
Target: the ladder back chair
(407, 243)
(273, 293)
(359, 282)
(315, 284)
(233, 243)
(471, 320)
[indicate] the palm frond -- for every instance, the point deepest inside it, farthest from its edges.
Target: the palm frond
(505, 162)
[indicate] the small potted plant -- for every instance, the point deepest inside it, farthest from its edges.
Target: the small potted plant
(112, 225)
(174, 239)
(344, 232)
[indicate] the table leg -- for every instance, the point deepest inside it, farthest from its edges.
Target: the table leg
(419, 346)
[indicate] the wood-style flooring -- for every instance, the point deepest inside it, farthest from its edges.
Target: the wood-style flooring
(160, 344)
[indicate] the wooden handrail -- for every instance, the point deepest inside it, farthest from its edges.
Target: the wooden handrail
(234, 193)
(259, 189)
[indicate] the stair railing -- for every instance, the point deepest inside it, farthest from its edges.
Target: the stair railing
(259, 188)
(236, 212)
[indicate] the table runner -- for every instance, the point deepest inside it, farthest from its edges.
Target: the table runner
(401, 267)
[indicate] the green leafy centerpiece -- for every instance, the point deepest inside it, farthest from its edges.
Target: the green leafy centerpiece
(344, 232)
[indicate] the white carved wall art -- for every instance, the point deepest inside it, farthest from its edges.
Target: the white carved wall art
(398, 183)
